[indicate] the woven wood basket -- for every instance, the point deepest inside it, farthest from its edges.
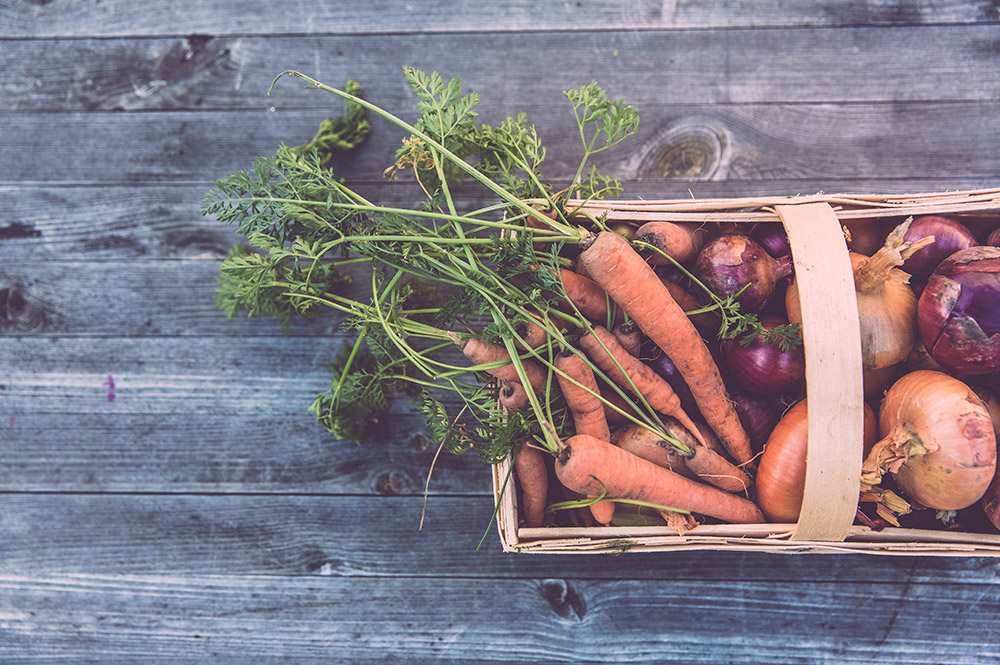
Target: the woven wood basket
(833, 383)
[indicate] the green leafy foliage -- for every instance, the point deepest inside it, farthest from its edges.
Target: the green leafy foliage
(340, 134)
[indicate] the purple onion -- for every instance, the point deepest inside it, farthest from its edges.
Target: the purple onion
(958, 313)
(950, 236)
(666, 368)
(761, 367)
(730, 262)
(772, 237)
(758, 414)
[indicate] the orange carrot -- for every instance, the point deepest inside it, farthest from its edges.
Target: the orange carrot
(533, 479)
(615, 418)
(532, 333)
(512, 396)
(656, 391)
(587, 411)
(648, 445)
(707, 323)
(630, 282)
(702, 463)
(680, 241)
(588, 297)
(481, 353)
(585, 463)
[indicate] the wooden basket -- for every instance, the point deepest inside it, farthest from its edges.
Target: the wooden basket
(833, 383)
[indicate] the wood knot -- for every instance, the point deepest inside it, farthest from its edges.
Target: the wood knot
(393, 483)
(689, 152)
(17, 314)
(564, 600)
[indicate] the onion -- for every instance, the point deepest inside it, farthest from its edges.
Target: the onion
(865, 236)
(665, 367)
(781, 476)
(959, 312)
(937, 441)
(950, 236)
(733, 263)
(993, 238)
(772, 237)
(758, 414)
(887, 306)
(761, 366)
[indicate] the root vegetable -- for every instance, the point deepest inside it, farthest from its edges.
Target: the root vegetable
(618, 269)
(937, 441)
(586, 464)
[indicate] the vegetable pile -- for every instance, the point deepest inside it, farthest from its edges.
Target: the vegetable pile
(634, 373)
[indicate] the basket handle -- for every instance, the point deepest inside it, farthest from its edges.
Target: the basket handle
(832, 345)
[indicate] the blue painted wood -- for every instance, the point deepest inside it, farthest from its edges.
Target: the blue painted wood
(202, 515)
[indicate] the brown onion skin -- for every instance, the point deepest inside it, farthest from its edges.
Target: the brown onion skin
(944, 411)
(781, 476)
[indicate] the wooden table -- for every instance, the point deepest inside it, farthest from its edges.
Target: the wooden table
(166, 497)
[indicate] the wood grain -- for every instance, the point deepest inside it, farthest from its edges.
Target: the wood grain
(118, 618)
(810, 143)
(116, 17)
(364, 536)
(280, 450)
(687, 67)
(162, 221)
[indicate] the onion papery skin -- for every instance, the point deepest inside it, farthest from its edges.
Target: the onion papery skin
(959, 312)
(762, 367)
(728, 263)
(772, 237)
(887, 316)
(937, 441)
(950, 236)
(781, 475)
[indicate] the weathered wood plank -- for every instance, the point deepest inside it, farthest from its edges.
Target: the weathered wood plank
(764, 143)
(277, 449)
(76, 18)
(166, 375)
(352, 536)
(139, 298)
(99, 223)
(127, 618)
(650, 67)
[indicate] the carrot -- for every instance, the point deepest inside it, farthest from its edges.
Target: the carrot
(629, 337)
(585, 464)
(702, 463)
(707, 323)
(615, 418)
(512, 396)
(587, 411)
(680, 241)
(654, 389)
(533, 479)
(481, 353)
(532, 333)
(648, 445)
(630, 282)
(587, 296)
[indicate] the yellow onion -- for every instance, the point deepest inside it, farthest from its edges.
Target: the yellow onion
(937, 441)
(781, 476)
(887, 306)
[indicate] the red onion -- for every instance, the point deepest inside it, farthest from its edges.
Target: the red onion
(758, 414)
(761, 366)
(950, 236)
(665, 367)
(731, 263)
(958, 313)
(772, 237)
